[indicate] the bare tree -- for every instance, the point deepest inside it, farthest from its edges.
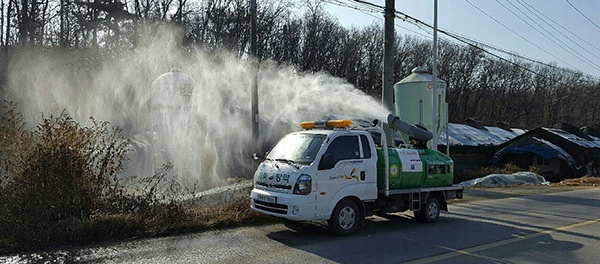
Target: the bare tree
(108, 17)
(304, 35)
(321, 37)
(459, 67)
(371, 67)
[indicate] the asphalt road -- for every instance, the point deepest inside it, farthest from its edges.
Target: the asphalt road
(561, 227)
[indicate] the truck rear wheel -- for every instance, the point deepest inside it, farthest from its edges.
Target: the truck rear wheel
(430, 212)
(345, 218)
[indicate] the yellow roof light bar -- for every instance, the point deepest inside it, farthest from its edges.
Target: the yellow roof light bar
(326, 124)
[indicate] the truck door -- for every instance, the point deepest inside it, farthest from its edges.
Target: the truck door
(342, 168)
(369, 155)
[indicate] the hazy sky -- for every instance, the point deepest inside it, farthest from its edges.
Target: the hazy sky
(565, 32)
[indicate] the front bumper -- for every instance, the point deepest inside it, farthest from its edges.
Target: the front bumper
(289, 206)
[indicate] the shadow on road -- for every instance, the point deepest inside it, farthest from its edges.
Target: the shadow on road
(398, 238)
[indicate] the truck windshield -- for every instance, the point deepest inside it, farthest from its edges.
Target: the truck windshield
(298, 148)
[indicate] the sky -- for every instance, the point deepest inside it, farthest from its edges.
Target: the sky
(561, 32)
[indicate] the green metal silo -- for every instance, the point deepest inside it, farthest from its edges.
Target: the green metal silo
(413, 101)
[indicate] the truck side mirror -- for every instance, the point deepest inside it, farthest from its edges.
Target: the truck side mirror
(326, 162)
(256, 156)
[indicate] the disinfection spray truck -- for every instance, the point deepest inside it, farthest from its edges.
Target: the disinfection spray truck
(335, 171)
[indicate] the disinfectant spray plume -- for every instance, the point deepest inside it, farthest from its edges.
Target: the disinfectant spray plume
(190, 108)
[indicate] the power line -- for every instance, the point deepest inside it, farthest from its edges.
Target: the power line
(366, 9)
(462, 39)
(369, 10)
(474, 43)
(553, 38)
(519, 35)
(562, 27)
(478, 44)
(545, 19)
(582, 14)
(417, 22)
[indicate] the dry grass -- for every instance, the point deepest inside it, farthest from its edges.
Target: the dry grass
(59, 186)
(56, 177)
(235, 213)
(589, 181)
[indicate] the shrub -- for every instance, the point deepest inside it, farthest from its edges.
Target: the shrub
(62, 183)
(55, 173)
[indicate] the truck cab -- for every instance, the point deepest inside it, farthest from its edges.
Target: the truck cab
(308, 172)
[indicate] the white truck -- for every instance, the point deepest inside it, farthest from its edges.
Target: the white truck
(335, 171)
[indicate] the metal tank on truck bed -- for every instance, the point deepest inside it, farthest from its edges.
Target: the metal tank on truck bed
(414, 168)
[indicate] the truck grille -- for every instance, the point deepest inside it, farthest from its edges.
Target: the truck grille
(277, 186)
(271, 207)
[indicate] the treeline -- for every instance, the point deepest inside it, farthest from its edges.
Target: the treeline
(302, 34)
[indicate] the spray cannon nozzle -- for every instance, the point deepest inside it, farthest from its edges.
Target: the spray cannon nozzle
(375, 122)
(411, 130)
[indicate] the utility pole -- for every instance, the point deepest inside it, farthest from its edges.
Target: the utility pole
(4, 41)
(254, 93)
(434, 79)
(387, 94)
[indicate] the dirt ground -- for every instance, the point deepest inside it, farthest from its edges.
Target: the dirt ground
(473, 193)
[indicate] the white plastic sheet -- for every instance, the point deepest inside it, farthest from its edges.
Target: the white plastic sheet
(522, 177)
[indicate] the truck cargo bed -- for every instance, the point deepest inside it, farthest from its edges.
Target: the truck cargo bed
(454, 189)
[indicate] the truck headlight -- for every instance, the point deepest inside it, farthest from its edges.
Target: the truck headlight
(303, 185)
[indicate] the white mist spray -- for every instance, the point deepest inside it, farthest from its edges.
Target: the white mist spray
(205, 131)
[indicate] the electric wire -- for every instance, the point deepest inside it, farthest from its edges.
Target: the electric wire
(470, 41)
(545, 19)
(477, 44)
(381, 10)
(552, 37)
(370, 11)
(362, 8)
(558, 25)
(519, 35)
(569, 2)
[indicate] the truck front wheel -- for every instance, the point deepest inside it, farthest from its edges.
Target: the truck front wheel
(345, 218)
(430, 212)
